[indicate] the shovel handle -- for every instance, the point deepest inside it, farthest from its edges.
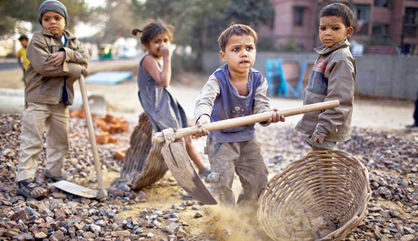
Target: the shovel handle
(247, 120)
(101, 194)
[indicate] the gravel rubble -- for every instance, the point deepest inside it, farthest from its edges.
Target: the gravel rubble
(391, 157)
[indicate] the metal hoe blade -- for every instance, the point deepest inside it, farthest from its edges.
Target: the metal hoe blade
(75, 189)
(177, 160)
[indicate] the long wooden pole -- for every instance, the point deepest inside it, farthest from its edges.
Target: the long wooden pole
(247, 120)
(101, 194)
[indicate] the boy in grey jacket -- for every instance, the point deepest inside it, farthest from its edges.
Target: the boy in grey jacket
(233, 90)
(57, 60)
(332, 78)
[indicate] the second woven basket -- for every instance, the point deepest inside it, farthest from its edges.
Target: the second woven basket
(320, 197)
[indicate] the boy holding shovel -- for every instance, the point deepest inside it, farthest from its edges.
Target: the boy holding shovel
(235, 90)
(57, 60)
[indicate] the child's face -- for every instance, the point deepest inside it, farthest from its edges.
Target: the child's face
(54, 22)
(24, 43)
(239, 53)
(332, 30)
(160, 40)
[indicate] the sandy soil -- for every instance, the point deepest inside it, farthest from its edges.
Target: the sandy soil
(122, 98)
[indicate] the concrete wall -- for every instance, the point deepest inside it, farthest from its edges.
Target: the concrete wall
(392, 76)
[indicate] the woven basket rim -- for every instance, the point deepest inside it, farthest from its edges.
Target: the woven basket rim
(348, 225)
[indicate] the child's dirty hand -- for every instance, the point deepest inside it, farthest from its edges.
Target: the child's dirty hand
(276, 117)
(84, 71)
(56, 59)
(317, 139)
(203, 119)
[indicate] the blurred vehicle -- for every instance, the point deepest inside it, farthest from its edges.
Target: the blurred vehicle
(105, 51)
(128, 53)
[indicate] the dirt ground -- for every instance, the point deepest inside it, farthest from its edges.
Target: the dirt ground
(122, 100)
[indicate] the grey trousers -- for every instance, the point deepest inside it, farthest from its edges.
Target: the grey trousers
(36, 118)
(242, 158)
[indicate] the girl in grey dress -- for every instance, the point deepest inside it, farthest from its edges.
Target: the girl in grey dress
(154, 76)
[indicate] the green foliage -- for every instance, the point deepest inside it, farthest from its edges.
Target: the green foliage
(185, 15)
(198, 23)
(118, 19)
(250, 12)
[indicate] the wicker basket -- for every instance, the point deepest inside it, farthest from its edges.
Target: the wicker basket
(320, 197)
(143, 164)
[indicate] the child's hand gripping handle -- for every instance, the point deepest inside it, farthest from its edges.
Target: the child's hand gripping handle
(247, 120)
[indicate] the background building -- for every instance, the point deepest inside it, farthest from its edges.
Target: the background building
(381, 25)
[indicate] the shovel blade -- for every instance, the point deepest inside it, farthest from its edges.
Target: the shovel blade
(177, 160)
(75, 189)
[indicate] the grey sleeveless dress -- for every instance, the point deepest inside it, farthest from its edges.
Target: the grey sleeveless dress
(159, 104)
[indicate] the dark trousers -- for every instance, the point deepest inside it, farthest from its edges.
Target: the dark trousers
(416, 111)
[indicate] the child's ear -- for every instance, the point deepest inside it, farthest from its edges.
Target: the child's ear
(222, 54)
(350, 31)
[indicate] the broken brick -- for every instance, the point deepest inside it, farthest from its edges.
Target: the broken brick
(115, 128)
(102, 125)
(102, 137)
(74, 113)
(120, 154)
(113, 140)
(109, 118)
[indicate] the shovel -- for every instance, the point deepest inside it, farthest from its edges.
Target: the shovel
(75, 188)
(179, 163)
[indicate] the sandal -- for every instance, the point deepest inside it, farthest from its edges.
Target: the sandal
(30, 189)
(52, 177)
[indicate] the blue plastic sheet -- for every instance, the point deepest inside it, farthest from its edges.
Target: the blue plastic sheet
(110, 78)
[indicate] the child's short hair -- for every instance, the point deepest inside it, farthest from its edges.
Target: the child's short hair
(153, 29)
(339, 10)
(23, 37)
(235, 29)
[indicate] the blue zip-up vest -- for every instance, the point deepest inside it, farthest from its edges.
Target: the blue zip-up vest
(229, 104)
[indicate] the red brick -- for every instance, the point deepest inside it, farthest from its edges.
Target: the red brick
(120, 154)
(102, 137)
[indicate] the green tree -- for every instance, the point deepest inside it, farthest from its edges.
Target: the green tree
(250, 12)
(118, 18)
(199, 22)
(183, 14)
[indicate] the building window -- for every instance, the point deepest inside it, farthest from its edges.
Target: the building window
(410, 24)
(380, 30)
(298, 16)
(381, 3)
(362, 12)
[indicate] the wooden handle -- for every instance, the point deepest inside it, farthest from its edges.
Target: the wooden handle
(101, 194)
(247, 120)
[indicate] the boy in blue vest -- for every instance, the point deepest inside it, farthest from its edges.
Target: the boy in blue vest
(234, 90)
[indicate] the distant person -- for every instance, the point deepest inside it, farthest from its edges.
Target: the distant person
(21, 55)
(154, 77)
(57, 59)
(415, 124)
(332, 78)
(235, 89)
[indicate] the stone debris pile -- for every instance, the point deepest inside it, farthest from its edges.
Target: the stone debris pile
(390, 156)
